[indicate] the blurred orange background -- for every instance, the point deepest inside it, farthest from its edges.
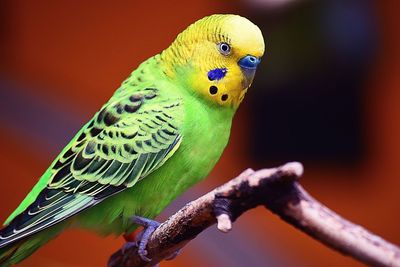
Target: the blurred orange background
(61, 60)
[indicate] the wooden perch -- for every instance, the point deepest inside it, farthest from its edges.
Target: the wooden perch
(279, 191)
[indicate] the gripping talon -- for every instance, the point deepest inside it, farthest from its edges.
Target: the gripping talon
(143, 238)
(149, 227)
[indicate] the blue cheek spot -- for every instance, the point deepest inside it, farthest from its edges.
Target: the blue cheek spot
(217, 74)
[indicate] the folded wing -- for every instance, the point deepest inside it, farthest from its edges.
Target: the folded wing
(126, 140)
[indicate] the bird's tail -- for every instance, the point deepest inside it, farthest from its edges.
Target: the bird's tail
(18, 251)
(7, 255)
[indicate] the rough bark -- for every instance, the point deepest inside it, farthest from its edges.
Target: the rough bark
(279, 191)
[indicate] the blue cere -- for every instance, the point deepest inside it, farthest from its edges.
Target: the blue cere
(217, 74)
(249, 62)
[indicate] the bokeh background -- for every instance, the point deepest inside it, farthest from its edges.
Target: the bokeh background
(327, 94)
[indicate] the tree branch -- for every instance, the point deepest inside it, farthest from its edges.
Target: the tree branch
(278, 190)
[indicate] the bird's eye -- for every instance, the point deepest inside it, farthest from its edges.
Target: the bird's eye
(224, 48)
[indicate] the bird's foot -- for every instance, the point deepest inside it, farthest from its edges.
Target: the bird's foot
(143, 238)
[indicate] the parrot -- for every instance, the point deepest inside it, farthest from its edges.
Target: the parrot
(162, 131)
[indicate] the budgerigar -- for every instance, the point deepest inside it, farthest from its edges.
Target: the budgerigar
(162, 131)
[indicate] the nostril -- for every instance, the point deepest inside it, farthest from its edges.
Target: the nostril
(249, 62)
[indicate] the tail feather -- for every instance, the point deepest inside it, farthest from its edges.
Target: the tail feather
(15, 253)
(6, 254)
(18, 251)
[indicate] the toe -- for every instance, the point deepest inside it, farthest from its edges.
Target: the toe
(142, 253)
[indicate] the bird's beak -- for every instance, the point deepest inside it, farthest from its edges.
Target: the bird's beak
(248, 65)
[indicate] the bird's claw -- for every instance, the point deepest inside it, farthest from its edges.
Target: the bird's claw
(149, 227)
(142, 253)
(143, 238)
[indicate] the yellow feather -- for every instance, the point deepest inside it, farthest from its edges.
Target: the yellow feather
(194, 52)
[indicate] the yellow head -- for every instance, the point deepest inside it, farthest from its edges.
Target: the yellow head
(218, 56)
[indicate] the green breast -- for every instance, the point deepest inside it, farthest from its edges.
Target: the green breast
(205, 134)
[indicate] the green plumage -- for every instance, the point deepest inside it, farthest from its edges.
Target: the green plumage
(154, 138)
(130, 138)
